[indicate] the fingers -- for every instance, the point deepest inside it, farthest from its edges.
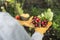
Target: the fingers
(43, 29)
(40, 30)
(48, 25)
(21, 22)
(31, 18)
(27, 23)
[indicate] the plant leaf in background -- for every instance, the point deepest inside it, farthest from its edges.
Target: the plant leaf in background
(41, 16)
(55, 25)
(48, 14)
(35, 11)
(3, 9)
(10, 1)
(19, 9)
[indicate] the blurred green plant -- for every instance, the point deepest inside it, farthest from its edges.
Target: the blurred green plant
(18, 8)
(13, 7)
(36, 11)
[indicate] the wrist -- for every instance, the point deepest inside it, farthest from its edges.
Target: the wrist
(40, 31)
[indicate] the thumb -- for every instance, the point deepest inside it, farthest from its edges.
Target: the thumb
(31, 18)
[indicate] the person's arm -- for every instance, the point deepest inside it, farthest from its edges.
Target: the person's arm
(39, 32)
(10, 29)
(27, 23)
(37, 36)
(1, 38)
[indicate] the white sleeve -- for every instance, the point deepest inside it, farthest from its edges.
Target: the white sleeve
(10, 29)
(37, 36)
(1, 38)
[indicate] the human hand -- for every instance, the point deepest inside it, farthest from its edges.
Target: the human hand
(42, 30)
(27, 23)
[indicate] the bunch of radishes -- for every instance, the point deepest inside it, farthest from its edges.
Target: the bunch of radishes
(37, 22)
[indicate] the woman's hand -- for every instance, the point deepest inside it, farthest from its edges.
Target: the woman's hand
(42, 30)
(27, 23)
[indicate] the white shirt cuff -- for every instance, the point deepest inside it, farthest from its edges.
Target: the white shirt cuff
(37, 36)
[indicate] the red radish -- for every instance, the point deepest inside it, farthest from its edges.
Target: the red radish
(45, 23)
(36, 25)
(37, 19)
(17, 17)
(34, 17)
(42, 23)
(33, 22)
